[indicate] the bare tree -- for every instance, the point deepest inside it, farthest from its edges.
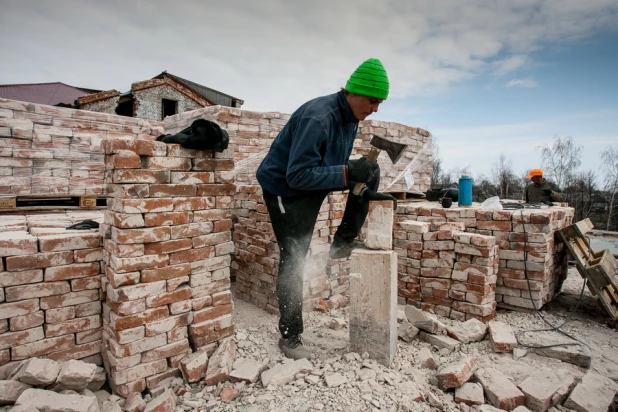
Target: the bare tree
(609, 163)
(437, 174)
(561, 160)
(503, 176)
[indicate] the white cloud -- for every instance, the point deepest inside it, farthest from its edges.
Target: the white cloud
(528, 82)
(275, 54)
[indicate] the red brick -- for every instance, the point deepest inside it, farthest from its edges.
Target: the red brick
(169, 246)
(147, 316)
(88, 255)
(478, 310)
(138, 263)
(169, 350)
(166, 163)
(213, 215)
(193, 177)
(127, 388)
(74, 271)
(167, 272)
(38, 261)
(193, 203)
(455, 374)
(137, 346)
(213, 312)
(172, 190)
(28, 321)
(15, 293)
(191, 230)
(42, 347)
(222, 225)
(216, 189)
(169, 297)
(88, 336)
(123, 251)
(59, 314)
(57, 243)
(77, 352)
(17, 243)
(131, 307)
(192, 255)
(124, 220)
(135, 292)
(167, 218)
(213, 164)
(72, 326)
(87, 309)
(140, 176)
(155, 380)
(222, 298)
(193, 367)
(20, 278)
(141, 205)
(69, 299)
(170, 323)
(124, 159)
(148, 235)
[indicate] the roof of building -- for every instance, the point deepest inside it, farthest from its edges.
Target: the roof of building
(209, 94)
(53, 94)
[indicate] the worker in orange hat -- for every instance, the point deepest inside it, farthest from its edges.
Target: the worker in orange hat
(540, 190)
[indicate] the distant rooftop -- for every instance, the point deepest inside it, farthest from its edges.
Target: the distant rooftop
(53, 94)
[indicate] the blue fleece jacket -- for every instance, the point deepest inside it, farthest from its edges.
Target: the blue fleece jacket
(311, 152)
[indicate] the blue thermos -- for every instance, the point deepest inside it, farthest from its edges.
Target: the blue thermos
(465, 191)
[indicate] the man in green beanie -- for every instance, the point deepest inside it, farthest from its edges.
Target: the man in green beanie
(309, 158)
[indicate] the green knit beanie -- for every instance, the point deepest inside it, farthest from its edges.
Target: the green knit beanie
(369, 79)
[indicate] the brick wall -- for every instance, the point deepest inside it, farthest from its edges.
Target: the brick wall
(53, 150)
(49, 288)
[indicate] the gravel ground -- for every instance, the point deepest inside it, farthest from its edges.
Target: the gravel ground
(368, 386)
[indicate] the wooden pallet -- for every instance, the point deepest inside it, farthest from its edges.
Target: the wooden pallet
(48, 202)
(599, 268)
(404, 197)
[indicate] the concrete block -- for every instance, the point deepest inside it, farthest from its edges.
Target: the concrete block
(380, 225)
(455, 374)
(472, 330)
(502, 337)
(373, 304)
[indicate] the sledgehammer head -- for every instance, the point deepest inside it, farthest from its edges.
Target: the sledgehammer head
(394, 150)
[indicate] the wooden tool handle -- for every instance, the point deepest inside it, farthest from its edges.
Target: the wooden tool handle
(371, 157)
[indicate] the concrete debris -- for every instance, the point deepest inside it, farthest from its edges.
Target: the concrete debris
(134, 403)
(440, 341)
(576, 354)
(502, 337)
(470, 393)
(10, 391)
(228, 393)
(424, 321)
(335, 379)
(282, 374)
(406, 331)
(247, 370)
(540, 388)
(39, 372)
(75, 374)
(593, 393)
(426, 359)
(220, 363)
(519, 353)
(50, 401)
(166, 402)
(337, 323)
(193, 367)
(472, 330)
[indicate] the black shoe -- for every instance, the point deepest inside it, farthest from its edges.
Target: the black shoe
(293, 348)
(341, 251)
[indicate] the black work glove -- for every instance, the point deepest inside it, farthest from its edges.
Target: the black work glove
(369, 194)
(361, 171)
(547, 192)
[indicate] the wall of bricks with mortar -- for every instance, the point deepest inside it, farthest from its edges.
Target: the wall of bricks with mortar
(544, 258)
(256, 258)
(54, 150)
(49, 290)
(168, 247)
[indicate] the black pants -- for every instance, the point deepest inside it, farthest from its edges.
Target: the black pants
(293, 220)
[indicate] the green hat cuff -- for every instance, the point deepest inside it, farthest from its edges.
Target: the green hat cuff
(369, 79)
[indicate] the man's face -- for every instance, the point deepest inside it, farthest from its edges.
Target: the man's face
(537, 180)
(363, 106)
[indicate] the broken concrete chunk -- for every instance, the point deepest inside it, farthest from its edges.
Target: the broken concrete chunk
(166, 402)
(337, 323)
(98, 380)
(49, 401)
(575, 354)
(220, 363)
(284, 373)
(102, 396)
(407, 332)
(228, 393)
(470, 394)
(500, 391)
(426, 359)
(39, 372)
(539, 389)
(11, 390)
(424, 321)
(248, 370)
(134, 403)
(502, 337)
(335, 379)
(521, 409)
(439, 341)
(8, 371)
(594, 393)
(455, 374)
(569, 379)
(110, 406)
(75, 374)
(472, 330)
(193, 367)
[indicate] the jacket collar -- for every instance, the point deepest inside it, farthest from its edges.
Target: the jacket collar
(346, 110)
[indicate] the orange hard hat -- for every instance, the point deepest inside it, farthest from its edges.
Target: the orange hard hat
(534, 172)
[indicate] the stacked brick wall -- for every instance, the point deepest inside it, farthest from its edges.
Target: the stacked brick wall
(445, 270)
(167, 257)
(49, 290)
(53, 150)
(544, 258)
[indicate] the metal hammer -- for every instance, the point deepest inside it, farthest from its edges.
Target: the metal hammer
(379, 143)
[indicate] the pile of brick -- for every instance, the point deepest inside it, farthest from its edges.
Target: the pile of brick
(496, 250)
(167, 257)
(49, 291)
(445, 270)
(49, 150)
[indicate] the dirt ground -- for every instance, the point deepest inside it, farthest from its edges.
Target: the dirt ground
(390, 389)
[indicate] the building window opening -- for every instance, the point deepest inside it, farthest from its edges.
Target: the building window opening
(125, 107)
(170, 107)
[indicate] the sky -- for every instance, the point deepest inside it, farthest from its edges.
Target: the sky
(485, 77)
